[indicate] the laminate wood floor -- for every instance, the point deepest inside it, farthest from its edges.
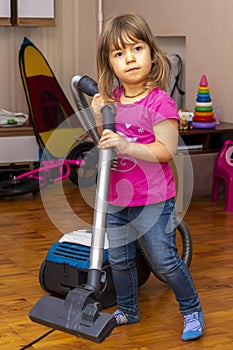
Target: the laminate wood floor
(30, 225)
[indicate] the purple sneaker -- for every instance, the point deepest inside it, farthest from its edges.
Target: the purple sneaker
(193, 326)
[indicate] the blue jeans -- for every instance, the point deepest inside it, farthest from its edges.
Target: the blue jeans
(156, 225)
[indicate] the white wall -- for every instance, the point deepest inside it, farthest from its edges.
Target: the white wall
(208, 28)
(70, 46)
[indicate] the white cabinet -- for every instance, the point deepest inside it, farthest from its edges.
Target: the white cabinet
(5, 13)
(34, 13)
(35, 8)
(27, 13)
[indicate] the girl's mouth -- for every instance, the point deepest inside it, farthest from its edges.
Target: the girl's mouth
(132, 69)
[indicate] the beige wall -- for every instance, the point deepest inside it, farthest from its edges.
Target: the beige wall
(71, 45)
(69, 48)
(208, 27)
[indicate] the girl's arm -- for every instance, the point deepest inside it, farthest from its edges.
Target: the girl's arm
(97, 104)
(162, 150)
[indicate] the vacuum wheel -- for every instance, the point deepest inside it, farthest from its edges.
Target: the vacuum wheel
(42, 277)
(84, 176)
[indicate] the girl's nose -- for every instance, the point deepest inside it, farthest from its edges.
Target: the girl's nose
(129, 57)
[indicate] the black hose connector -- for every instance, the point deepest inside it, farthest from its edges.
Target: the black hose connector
(90, 88)
(88, 85)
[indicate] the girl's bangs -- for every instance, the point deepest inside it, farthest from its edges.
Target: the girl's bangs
(121, 38)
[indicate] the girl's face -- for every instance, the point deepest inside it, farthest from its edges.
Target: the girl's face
(132, 63)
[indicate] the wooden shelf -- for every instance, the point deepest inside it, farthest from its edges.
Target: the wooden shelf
(5, 22)
(35, 22)
(202, 160)
(210, 139)
(17, 131)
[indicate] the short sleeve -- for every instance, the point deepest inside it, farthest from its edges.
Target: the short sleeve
(164, 108)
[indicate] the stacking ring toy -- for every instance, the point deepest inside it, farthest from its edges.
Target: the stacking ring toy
(204, 125)
(203, 95)
(204, 114)
(203, 98)
(203, 119)
(202, 87)
(204, 104)
(203, 109)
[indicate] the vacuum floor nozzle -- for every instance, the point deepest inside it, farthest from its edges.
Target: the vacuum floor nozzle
(79, 314)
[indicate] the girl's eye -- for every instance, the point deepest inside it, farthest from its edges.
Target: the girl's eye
(138, 48)
(118, 54)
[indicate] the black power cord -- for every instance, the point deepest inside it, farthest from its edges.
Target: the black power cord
(177, 77)
(36, 340)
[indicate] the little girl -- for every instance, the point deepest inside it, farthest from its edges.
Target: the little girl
(133, 74)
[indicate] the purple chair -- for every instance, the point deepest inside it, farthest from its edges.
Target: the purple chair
(223, 170)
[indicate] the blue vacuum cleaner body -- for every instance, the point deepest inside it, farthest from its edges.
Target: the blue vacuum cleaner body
(66, 267)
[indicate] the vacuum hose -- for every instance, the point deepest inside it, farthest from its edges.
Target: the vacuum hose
(80, 85)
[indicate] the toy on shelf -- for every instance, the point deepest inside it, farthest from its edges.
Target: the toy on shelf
(203, 112)
(183, 123)
(186, 118)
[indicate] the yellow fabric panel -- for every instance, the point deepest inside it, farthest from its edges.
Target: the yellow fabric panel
(59, 141)
(38, 65)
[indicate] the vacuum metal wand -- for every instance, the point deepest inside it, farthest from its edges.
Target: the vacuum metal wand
(89, 87)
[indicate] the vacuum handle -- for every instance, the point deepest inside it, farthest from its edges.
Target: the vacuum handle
(109, 117)
(90, 88)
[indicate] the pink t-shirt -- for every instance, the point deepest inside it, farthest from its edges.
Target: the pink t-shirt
(135, 182)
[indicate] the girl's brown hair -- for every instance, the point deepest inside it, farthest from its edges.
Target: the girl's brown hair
(117, 32)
